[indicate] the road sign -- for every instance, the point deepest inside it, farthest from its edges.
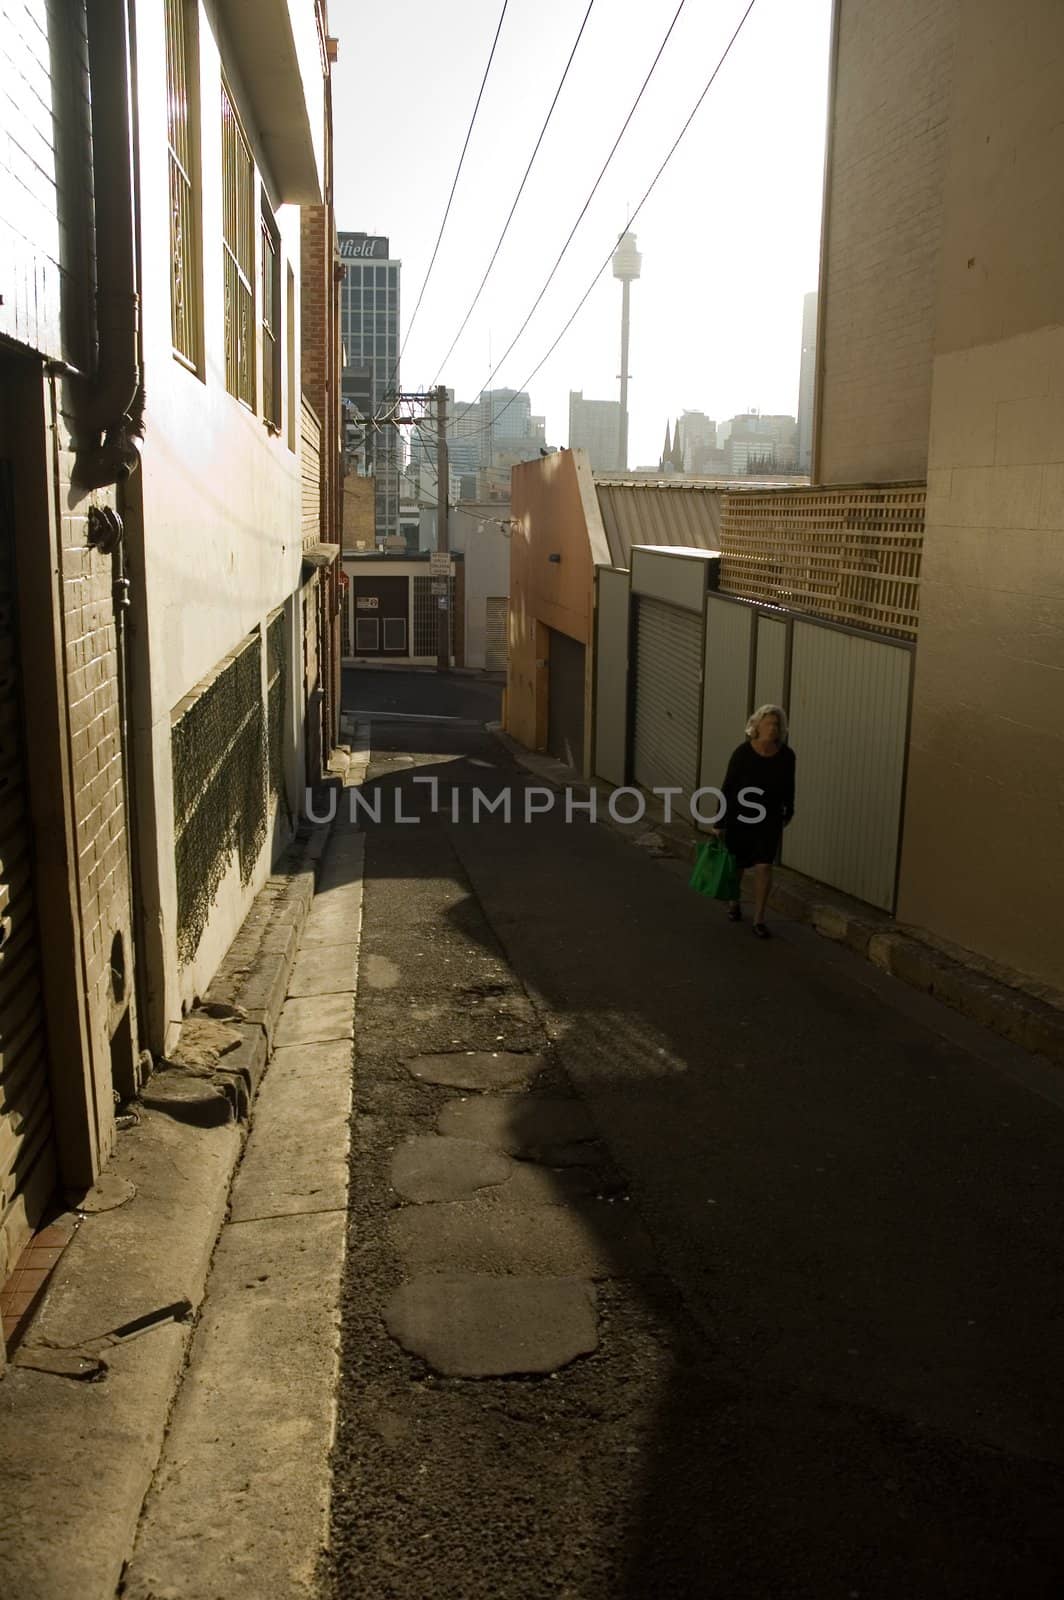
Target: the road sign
(439, 563)
(440, 585)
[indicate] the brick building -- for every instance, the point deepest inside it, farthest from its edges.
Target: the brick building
(153, 587)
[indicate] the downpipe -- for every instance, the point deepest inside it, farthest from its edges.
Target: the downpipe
(109, 408)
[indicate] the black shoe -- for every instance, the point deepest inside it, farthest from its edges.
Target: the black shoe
(735, 914)
(761, 931)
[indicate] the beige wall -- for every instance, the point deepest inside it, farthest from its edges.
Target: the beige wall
(882, 238)
(216, 505)
(983, 859)
(359, 512)
(555, 512)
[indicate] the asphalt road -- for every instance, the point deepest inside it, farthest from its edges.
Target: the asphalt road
(837, 1374)
(388, 692)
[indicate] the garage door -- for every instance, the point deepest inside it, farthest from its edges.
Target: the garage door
(27, 1154)
(565, 703)
(668, 696)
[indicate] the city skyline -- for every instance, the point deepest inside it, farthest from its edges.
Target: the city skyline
(730, 236)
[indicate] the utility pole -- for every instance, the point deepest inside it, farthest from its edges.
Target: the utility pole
(443, 541)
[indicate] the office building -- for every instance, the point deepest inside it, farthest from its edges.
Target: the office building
(369, 311)
(595, 426)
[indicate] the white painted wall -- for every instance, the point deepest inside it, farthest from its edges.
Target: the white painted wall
(487, 568)
(220, 493)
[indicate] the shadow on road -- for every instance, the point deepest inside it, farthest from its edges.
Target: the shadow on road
(836, 1379)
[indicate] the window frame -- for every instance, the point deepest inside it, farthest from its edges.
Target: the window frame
(270, 330)
(181, 45)
(239, 271)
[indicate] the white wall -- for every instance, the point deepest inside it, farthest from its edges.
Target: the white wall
(220, 493)
(487, 569)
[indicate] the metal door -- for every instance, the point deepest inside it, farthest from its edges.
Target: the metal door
(27, 1152)
(668, 696)
(565, 700)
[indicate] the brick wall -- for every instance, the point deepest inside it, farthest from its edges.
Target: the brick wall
(97, 775)
(883, 233)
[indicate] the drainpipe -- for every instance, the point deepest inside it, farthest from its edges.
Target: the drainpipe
(110, 406)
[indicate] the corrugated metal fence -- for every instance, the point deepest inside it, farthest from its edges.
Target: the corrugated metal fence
(846, 695)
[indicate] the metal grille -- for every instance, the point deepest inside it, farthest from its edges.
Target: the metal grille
(218, 744)
(345, 619)
(271, 297)
(367, 634)
(850, 555)
(395, 633)
(426, 617)
(238, 250)
(276, 687)
(184, 241)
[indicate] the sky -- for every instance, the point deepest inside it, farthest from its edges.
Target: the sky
(729, 236)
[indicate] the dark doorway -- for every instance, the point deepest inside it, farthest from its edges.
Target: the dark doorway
(565, 700)
(382, 610)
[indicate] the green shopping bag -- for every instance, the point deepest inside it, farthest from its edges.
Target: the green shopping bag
(715, 874)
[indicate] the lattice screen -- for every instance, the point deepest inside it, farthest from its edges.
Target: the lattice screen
(850, 555)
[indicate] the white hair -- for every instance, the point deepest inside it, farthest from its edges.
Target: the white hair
(754, 721)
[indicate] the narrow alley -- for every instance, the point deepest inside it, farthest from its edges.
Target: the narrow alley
(678, 1264)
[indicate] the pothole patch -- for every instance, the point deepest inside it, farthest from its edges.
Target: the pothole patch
(485, 1327)
(428, 1168)
(480, 1070)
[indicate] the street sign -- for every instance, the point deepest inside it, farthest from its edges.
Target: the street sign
(440, 585)
(439, 563)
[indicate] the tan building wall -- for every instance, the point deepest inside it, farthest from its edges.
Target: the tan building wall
(882, 237)
(359, 515)
(555, 512)
(983, 858)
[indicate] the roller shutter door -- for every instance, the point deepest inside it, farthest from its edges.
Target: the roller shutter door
(27, 1153)
(668, 696)
(496, 616)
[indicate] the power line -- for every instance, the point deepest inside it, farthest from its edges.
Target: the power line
(454, 186)
(587, 202)
(646, 196)
(517, 196)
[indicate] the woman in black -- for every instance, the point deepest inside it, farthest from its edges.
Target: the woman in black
(758, 793)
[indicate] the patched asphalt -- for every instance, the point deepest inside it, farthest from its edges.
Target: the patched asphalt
(817, 1227)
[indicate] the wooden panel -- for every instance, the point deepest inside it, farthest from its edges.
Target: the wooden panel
(849, 555)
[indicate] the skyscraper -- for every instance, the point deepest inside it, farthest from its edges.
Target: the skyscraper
(595, 426)
(369, 322)
(806, 384)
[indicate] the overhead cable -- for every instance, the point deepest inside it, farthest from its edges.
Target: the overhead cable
(587, 202)
(454, 186)
(520, 191)
(646, 196)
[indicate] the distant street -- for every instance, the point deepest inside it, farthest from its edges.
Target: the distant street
(389, 691)
(779, 1238)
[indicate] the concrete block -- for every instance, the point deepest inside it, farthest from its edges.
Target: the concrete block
(250, 1520)
(325, 969)
(316, 1019)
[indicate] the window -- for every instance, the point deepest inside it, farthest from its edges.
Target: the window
(185, 316)
(270, 300)
(238, 251)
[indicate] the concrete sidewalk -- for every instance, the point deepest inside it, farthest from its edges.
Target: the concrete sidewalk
(212, 1341)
